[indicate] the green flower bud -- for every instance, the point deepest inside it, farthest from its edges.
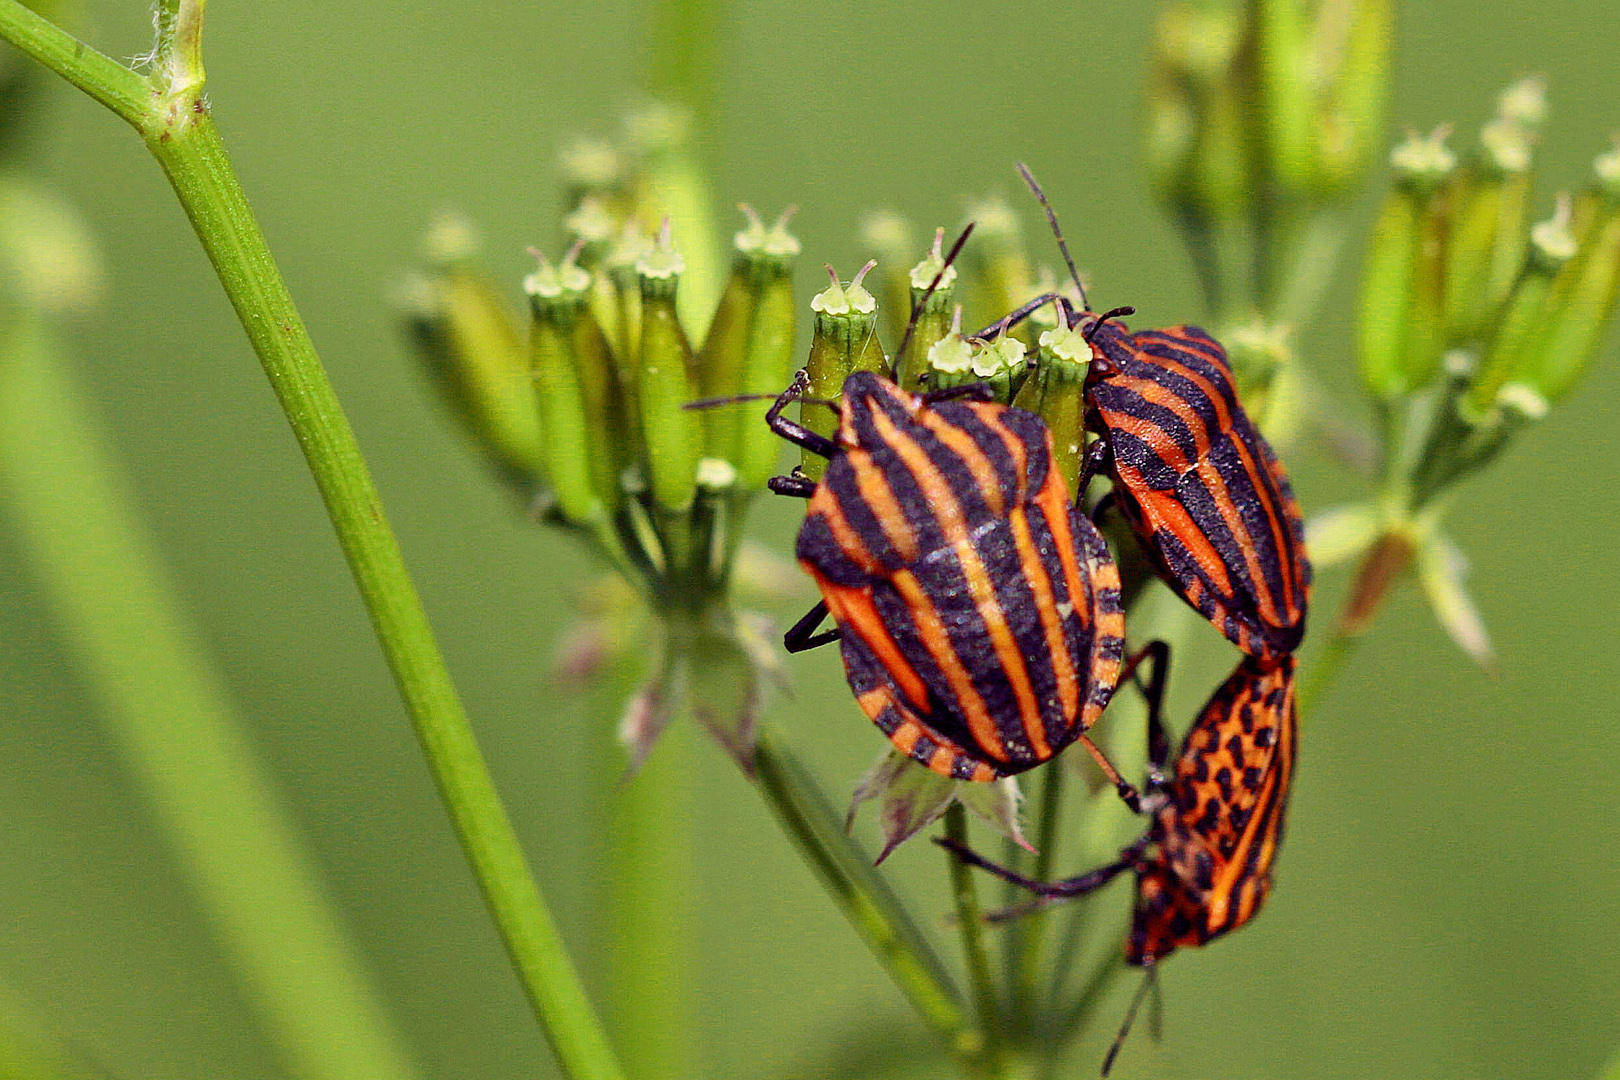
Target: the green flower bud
(1520, 331)
(47, 258)
(1582, 305)
(956, 361)
(665, 380)
(1352, 41)
(1285, 77)
(576, 447)
(749, 349)
(934, 318)
(1261, 357)
(892, 240)
(845, 341)
(1485, 247)
(1524, 103)
(1199, 135)
(1055, 390)
(590, 168)
(998, 262)
(671, 183)
(469, 341)
(1399, 328)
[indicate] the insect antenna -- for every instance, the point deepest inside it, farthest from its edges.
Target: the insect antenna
(739, 399)
(916, 309)
(1051, 219)
(1149, 982)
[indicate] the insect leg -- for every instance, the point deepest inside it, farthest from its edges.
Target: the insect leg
(1158, 654)
(802, 636)
(1016, 316)
(1096, 459)
(976, 391)
(1127, 791)
(1051, 891)
(1149, 980)
(800, 487)
(794, 432)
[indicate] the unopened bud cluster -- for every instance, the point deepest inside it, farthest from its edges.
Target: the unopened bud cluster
(1252, 102)
(1468, 301)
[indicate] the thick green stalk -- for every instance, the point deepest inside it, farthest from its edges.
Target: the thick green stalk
(170, 716)
(180, 133)
(872, 909)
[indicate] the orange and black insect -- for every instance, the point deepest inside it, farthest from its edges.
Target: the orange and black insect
(978, 608)
(1201, 489)
(1204, 866)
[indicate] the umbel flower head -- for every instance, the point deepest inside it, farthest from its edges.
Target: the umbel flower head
(1474, 321)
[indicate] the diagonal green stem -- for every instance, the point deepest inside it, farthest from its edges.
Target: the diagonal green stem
(181, 135)
(867, 901)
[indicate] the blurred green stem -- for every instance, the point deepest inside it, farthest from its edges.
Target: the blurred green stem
(1026, 937)
(647, 914)
(174, 121)
(168, 712)
(684, 53)
(871, 907)
(28, 1049)
(970, 922)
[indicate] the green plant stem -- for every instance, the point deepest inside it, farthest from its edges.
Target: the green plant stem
(871, 907)
(180, 133)
(1315, 260)
(1076, 1018)
(1026, 937)
(169, 714)
(29, 1050)
(195, 161)
(970, 922)
(648, 909)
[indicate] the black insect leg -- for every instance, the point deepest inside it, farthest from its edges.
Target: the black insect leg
(1127, 790)
(1049, 892)
(1157, 653)
(1149, 981)
(1096, 459)
(802, 636)
(976, 391)
(794, 432)
(1016, 316)
(800, 487)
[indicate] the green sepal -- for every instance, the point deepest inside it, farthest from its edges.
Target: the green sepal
(672, 434)
(1580, 311)
(557, 304)
(749, 349)
(470, 343)
(1399, 324)
(844, 341)
(933, 314)
(1055, 391)
(1521, 330)
(1489, 203)
(1285, 75)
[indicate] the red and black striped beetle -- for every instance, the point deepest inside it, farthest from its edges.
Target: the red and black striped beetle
(977, 607)
(1204, 866)
(1201, 489)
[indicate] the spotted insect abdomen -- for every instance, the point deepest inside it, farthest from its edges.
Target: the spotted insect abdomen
(1219, 834)
(1201, 487)
(981, 617)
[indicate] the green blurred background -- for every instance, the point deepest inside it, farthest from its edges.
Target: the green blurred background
(1448, 901)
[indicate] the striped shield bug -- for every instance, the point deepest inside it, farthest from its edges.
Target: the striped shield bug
(977, 607)
(1203, 492)
(1204, 866)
